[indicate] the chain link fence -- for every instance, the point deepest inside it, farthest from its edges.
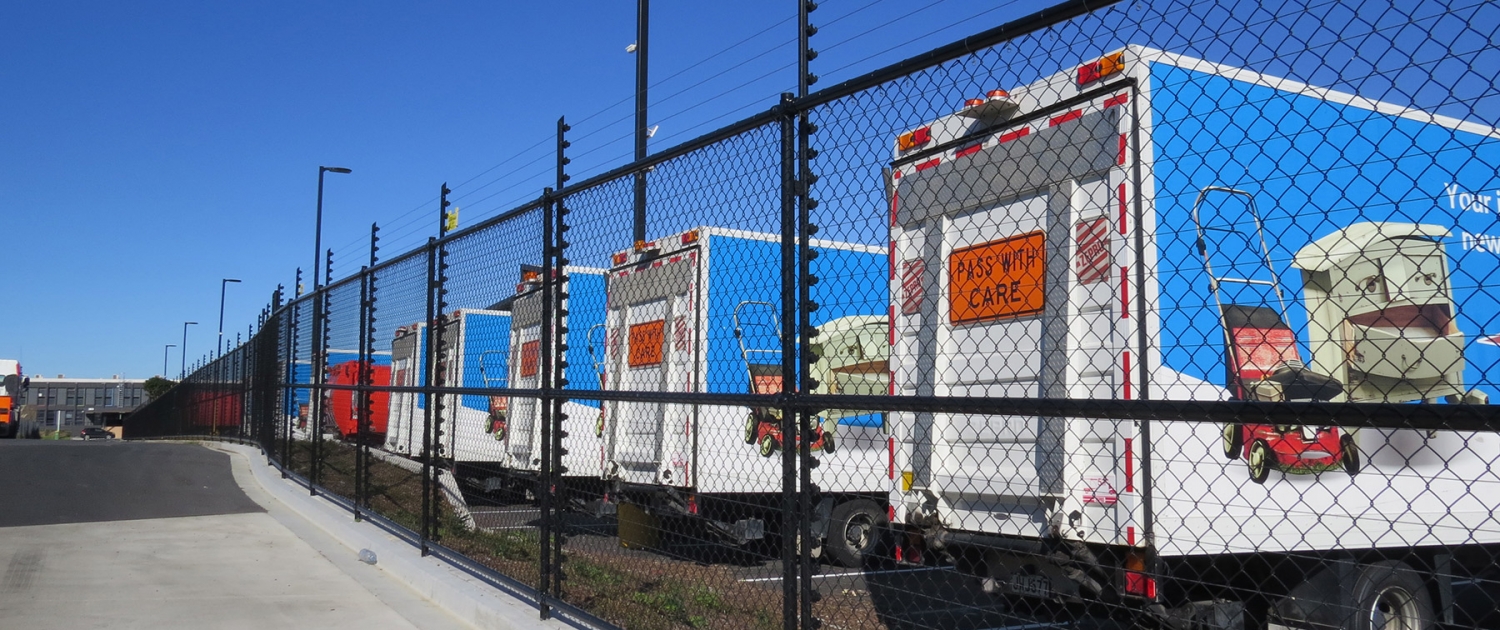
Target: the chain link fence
(1139, 314)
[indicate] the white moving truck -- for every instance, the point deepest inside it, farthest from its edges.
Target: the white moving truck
(697, 312)
(475, 356)
(1146, 226)
(583, 301)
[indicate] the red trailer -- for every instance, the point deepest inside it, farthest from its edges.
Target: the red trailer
(344, 402)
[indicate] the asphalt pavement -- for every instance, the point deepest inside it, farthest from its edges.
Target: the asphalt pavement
(108, 534)
(52, 482)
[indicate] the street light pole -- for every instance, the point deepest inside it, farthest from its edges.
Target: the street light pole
(318, 231)
(223, 284)
(164, 352)
(184, 348)
(642, 28)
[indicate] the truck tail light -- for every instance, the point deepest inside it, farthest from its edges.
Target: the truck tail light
(1137, 582)
(692, 504)
(915, 138)
(1105, 66)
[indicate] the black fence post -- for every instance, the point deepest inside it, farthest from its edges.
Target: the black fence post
(805, 332)
(266, 370)
(429, 356)
(362, 407)
(290, 389)
(545, 476)
(319, 370)
(559, 262)
(367, 404)
(788, 333)
(443, 365)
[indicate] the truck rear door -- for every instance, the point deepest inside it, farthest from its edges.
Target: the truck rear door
(1008, 263)
(523, 439)
(649, 349)
(402, 434)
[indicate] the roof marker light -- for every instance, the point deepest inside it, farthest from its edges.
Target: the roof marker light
(914, 138)
(1105, 66)
(996, 105)
(690, 237)
(620, 258)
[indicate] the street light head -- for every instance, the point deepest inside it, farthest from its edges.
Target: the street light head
(230, 280)
(189, 323)
(630, 48)
(336, 169)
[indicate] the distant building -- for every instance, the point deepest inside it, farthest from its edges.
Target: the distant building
(73, 403)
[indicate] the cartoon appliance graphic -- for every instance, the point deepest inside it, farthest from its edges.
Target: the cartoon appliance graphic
(1262, 363)
(853, 358)
(1381, 313)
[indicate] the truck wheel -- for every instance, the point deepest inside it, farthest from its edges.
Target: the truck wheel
(767, 445)
(599, 425)
(1389, 595)
(1234, 441)
(1261, 460)
(853, 531)
(751, 424)
(827, 443)
(1349, 454)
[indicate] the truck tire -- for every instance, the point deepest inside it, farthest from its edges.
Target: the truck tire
(767, 445)
(853, 531)
(751, 424)
(1389, 595)
(827, 443)
(1261, 460)
(1349, 454)
(1234, 441)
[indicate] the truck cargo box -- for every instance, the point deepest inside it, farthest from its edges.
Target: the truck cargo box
(584, 303)
(1137, 229)
(475, 347)
(698, 312)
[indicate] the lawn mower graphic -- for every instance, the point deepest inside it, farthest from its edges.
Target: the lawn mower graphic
(763, 369)
(597, 357)
(1262, 364)
(499, 407)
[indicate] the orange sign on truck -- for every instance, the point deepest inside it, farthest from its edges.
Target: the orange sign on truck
(1001, 279)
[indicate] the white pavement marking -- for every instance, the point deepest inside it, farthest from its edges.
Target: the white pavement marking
(861, 573)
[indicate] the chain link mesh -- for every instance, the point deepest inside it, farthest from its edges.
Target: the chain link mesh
(1163, 314)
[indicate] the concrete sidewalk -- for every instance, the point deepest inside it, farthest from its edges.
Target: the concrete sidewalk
(293, 565)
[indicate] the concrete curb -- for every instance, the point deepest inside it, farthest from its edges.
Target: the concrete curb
(463, 596)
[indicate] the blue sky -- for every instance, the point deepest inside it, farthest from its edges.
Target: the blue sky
(148, 150)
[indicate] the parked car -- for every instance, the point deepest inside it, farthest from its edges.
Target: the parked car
(95, 433)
